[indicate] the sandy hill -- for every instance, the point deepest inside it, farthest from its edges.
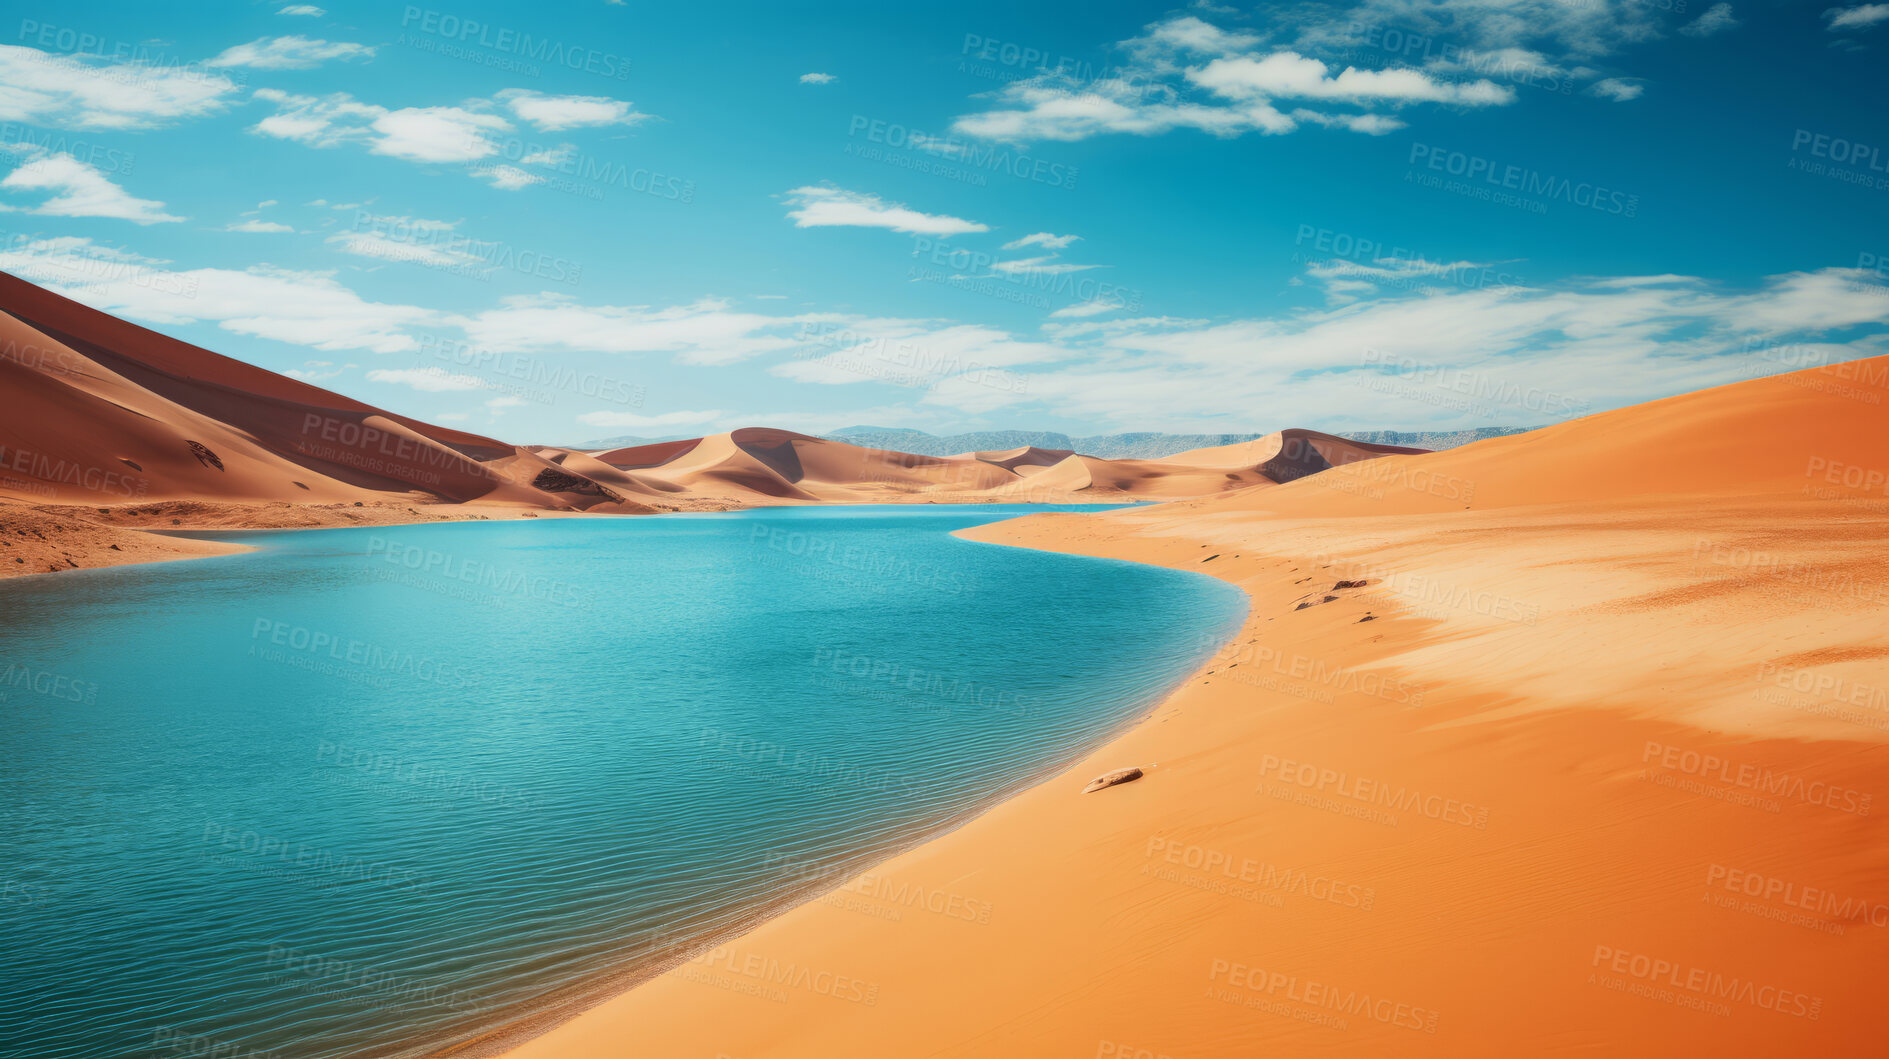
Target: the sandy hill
(1561, 743)
(103, 411)
(111, 422)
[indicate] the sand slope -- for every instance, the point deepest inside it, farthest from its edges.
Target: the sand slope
(102, 412)
(1583, 759)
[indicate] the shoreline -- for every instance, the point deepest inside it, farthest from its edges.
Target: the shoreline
(144, 538)
(1153, 904)
(507, 1037)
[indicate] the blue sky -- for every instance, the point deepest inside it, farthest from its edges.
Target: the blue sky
(559, 222)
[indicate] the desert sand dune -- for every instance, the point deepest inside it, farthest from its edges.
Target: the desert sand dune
(112, 414)
(1286, 455)
(1561, 742)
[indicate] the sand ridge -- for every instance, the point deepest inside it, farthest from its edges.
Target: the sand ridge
(1528, 747)
(112, 418)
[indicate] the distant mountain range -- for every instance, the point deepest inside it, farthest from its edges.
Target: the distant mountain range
(1145, 446)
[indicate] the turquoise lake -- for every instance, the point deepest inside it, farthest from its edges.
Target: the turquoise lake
(374, 791)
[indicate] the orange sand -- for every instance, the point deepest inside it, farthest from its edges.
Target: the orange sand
(107, 417)
(1597, 777)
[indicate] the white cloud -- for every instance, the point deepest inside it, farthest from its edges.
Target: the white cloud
(704, 332)
(1190, 34)
(1042, 239)
(554, 157)
(84, 91)
(467, 134)
(309, 10)
(823, 207)
(554, 113)
(1042, 266)
(428, 380)
(316, 370)
(1618, 90)
(1185, 73)
(817, 79)
(1288, 74)
(1860, 17)
(1544, 353)
(507, 177)
(290, 53)
(437, 134)
(1588, 28)
(318, 122)
(499, 404)
(1717, 19)
(79, 190)
(913, 354)
(1368, 124)
(1092, 307)
(638, 421)
(302, 308)
(255, 225)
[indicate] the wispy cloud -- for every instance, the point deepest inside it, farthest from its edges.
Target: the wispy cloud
(80, 190)
(830, 207)
(1860, 17)
(92, 92)
(1618, 89)
(1042, 239)
(290, 53)
(1717, 19)
(554, 113)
